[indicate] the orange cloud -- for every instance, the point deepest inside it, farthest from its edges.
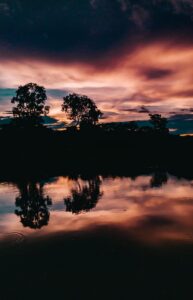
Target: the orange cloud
(157, 74)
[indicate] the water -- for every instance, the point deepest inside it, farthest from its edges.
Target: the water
(97, 237)
(150, 211)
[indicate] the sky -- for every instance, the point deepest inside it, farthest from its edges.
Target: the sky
(131, 57)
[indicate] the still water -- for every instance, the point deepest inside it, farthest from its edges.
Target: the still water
(153, 209)
(138, 231)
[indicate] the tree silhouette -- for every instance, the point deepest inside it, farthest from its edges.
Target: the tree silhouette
(84, 198)
(159, 123)
(30, 100)
(81, 109)
(32, 205)
(130, 127)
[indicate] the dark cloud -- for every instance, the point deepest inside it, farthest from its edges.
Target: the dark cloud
(182, 6)
(131, 109)
(157, 221)
(184, 93)
(89, 29)
(4, 9)
(127, 55)
(108, 114)
(155, 73)
(141, 109)
(64, 28)
(123, 4)
(139, 16)
(172, 113)
(142, 97)
(186, 110)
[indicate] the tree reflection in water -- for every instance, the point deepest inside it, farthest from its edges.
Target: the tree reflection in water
(84, 197)
(32, 205)
(159, 178)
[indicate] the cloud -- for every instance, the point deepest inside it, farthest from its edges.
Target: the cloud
(109, 114)
(122, 54)
(139, 16)
(123, 5)
(185, 93)
(141, 109)
(4, 9)
(87, 30)
(93, 3)
(182, 5)
(157, 221)
(156, 73)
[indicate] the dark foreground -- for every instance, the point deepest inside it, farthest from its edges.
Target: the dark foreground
(103, 260)
(41, 152)
(100, 264)
(111, 238)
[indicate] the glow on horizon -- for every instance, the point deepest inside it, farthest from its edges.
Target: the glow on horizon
(119, 84)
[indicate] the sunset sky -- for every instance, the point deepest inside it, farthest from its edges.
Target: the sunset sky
(131, 57)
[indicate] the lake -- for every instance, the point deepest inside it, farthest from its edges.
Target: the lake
(97, 237)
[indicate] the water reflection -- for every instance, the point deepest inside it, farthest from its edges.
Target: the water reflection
(32, 205)
(141, 227)
(152, 208)
(158, 179)
(84, 197)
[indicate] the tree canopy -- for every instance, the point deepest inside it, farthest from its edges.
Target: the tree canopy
(30, 100)
(81, 109)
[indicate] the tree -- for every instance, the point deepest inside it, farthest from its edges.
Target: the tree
(81, 109)
(30, 100)
(120, 127)
(159, 123)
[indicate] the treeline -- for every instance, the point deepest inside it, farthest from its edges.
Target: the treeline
(28, 147)
(30, 106)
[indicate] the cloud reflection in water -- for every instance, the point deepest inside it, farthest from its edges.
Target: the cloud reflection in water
(152, 209)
